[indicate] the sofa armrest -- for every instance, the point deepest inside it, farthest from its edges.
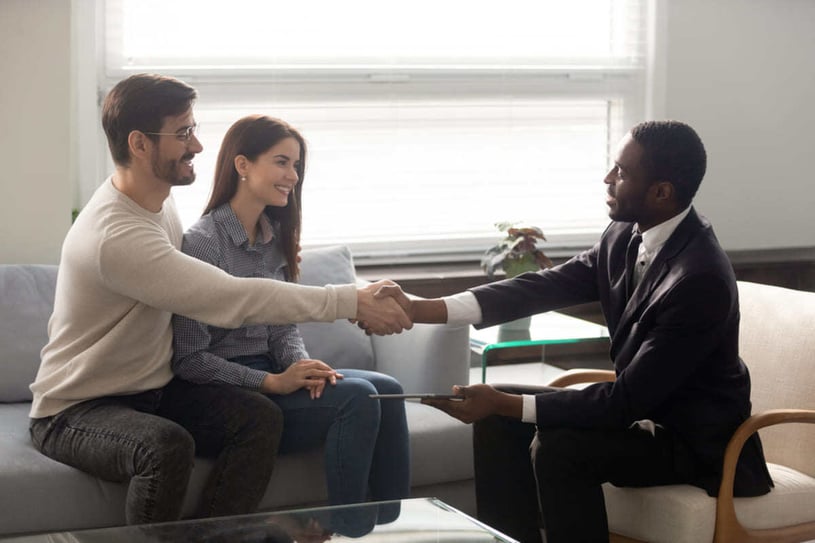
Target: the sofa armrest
(426, 358)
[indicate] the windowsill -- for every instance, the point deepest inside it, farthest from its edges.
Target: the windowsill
(790, 267)
(451, 270)
(468, 266)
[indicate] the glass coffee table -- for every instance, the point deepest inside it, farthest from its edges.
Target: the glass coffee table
(544, 329)
(413, 520)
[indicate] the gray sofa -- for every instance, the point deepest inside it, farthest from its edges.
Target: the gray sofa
(38, 494)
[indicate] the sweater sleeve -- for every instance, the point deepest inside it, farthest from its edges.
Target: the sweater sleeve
(138, 260)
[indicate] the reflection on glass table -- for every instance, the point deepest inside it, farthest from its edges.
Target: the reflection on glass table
(551, 328)
(415, 521)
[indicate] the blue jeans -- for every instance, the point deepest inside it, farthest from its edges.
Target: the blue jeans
(367, 450)
(150, 439)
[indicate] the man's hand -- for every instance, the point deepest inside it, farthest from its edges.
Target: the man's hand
(479, 401)
(431, 311)
(389, 289)
(310, 374)
(383, 314)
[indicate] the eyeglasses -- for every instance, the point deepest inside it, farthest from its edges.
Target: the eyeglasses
(184, 134)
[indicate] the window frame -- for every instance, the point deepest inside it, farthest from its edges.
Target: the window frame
(624, 83)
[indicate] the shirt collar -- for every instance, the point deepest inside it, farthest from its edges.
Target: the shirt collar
(266, 229)
(226, 216)
(654, 238)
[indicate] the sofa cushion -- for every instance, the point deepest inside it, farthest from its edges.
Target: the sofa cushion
(339, 344)
(44, 495)
(68, 499)
(26, 303)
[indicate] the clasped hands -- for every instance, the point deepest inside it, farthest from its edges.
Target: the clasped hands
(383, 308)
(313, 375)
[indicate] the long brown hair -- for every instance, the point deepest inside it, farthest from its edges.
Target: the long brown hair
(252, 136)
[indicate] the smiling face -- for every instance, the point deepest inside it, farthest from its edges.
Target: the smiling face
(171, 157)
(629, 189)
(272, 177)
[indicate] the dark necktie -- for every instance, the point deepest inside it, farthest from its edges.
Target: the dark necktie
(631, 262)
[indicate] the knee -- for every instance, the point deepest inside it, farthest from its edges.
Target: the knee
(262, 423)
(487, 427)
(496, 429)
(385, 384)
(358, 402)
(264, 412)
(168, 448)
(357, 389)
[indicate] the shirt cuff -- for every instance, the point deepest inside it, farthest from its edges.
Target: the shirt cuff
(530, 413)
(254, 379)
(462, 308)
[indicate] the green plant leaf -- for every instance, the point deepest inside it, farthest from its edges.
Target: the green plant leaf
(517, 252)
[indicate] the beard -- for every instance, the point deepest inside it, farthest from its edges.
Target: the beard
(629, 208)
(169, 170)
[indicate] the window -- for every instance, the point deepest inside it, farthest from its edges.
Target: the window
(427, 122)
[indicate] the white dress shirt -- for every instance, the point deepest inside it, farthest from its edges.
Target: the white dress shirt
(463, 308)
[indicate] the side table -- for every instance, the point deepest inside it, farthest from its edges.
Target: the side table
(551, 328)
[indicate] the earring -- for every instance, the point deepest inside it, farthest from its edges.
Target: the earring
(243, 178)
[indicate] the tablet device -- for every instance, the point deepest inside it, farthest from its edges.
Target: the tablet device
(417, 396)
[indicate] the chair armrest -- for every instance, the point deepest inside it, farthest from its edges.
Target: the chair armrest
(728, 527)
(426, 358)
(576, 376)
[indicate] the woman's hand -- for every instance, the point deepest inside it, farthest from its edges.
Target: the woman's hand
(307, 373)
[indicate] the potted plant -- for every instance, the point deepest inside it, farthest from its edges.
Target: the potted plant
(517, 253)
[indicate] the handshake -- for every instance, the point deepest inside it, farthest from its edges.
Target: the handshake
(383, 308)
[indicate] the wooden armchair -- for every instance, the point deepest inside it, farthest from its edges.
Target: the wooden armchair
(777, 342)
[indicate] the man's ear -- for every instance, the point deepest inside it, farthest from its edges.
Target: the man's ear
(664, 191)
(138, 143)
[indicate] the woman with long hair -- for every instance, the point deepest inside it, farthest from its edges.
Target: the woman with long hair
(251, 228)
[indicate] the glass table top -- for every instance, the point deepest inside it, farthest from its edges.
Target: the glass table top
(543, 329)
(415, 520)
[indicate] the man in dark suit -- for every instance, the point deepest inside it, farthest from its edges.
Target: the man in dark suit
(672, 310)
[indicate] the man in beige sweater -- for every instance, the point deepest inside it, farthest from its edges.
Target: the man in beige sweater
(105, 400)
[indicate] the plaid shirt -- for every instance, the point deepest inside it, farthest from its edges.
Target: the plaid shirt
(202, 352)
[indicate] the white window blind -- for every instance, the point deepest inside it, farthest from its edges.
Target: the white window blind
(427, 122)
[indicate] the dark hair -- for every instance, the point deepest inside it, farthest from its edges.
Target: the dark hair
(142, 102)
(252, 136)
(673, 152)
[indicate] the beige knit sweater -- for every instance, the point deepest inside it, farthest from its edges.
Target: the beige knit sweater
(121, 277)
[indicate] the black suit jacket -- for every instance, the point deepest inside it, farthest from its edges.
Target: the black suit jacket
(674, 346)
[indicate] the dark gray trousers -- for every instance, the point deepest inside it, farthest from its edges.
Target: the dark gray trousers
(530, 479)
(150, 439)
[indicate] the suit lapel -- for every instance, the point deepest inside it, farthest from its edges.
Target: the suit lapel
(656, 273)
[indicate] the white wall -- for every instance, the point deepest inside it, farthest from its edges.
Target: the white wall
(740, 71)
(37, 183)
